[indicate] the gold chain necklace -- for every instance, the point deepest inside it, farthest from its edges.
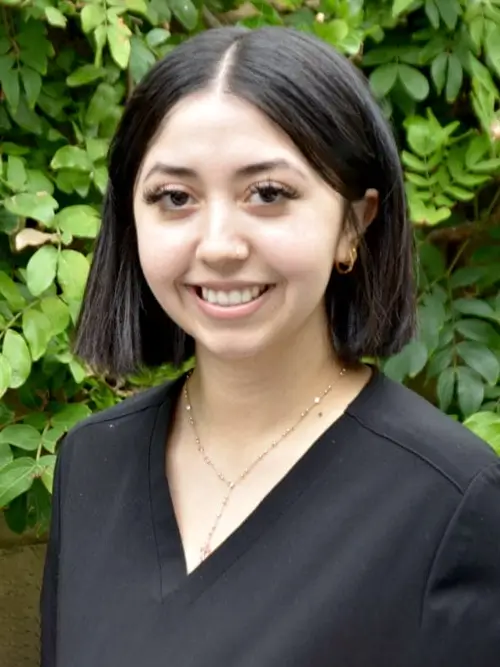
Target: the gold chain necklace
(206, 550)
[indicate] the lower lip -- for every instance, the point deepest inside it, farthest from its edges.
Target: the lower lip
(230, 312)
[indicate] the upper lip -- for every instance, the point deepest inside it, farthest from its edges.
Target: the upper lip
(228, 286)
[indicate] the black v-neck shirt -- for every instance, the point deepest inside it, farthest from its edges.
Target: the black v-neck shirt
(380, 548)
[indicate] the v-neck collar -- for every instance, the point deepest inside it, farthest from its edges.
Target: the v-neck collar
(175, 582)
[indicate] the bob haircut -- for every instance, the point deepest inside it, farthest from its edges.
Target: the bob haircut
(320, 100)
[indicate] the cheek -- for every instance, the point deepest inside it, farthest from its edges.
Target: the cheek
(302, 252)
(163, 253)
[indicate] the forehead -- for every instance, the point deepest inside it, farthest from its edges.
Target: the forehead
(211, 127)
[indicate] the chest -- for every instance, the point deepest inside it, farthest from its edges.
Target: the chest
(312, 577)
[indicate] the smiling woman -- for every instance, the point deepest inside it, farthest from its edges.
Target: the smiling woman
(284, 503)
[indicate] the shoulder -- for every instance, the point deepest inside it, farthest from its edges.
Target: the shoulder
(407, 421)
(121, 426)
(132, 406)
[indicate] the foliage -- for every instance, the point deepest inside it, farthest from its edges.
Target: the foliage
(66, 69)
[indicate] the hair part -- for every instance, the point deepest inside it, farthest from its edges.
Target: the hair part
(320, 100)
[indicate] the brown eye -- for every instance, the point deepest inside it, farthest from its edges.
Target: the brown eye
(177, 198)
(270, 193)
(169, 198)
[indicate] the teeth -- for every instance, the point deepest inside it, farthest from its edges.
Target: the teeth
(232, 298)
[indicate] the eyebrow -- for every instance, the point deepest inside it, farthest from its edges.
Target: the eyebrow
(241, 172)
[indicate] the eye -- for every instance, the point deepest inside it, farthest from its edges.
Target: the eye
(268, 193)
(170, 198)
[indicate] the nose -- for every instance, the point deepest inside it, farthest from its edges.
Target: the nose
(221, 244)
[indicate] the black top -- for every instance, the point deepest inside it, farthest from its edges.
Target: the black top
(380, 548)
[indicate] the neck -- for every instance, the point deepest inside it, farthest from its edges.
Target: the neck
(250, 397)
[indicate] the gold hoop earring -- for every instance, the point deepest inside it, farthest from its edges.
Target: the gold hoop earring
(347, 267)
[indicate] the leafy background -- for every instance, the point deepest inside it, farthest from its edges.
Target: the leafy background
(66, 69)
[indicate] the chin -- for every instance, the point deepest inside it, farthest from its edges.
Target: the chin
(231, 349)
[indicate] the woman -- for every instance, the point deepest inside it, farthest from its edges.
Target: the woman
(285, 504)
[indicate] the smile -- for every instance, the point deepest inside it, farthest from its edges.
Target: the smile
(230, 298)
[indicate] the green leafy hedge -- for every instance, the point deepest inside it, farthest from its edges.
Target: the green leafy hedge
(66, 69)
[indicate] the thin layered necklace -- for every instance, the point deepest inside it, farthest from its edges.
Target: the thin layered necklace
(206, 548)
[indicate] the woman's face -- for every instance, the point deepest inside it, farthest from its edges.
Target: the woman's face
(237, 234)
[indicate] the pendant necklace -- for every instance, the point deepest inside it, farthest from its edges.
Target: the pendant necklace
(206, 549)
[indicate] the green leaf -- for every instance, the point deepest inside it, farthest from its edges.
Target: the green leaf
(100, 104)
(78, 371)
(487, 166)
(6, 455)
(91, 17)
(461, 194)
(486, 425)
(480, 331)
(72, 273)
(466, 276)
(81, 221)
(71, 157)
(16, 173)
(455, 77)
(5, 375)
(119, 45)
(138, 6)
(399, 6)
(470, 391)
(439, 362)
(186, 12)
(97, 148)
(41, 269)
(57, 312)
(450, 11)
(481, 359)
(141, 59)
(10, 87)
(45, 470)
(445, 388)
(476, 30)
(38, 182)
(476, 307)
(414, 82)
(84, 75)
(55, 17)
(438, 71)
(432, 13)
(432, 317)
(21, 436)
(421, 138)
(492, 47)
(40, 206)
(11, 292)
(157, 36)
(37, 330)
(383, 78)
(51, 437)
(70, 415)
(418, 355)
(100, 42)
(413, 162)
(17, 354)
(16, 478)
(396, 367)
(101, 178)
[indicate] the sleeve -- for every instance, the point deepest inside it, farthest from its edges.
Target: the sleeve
(460, 620)
(48, 597)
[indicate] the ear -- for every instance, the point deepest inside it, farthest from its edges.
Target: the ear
(365, 211)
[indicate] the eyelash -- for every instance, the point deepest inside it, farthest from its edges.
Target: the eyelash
(155, 195)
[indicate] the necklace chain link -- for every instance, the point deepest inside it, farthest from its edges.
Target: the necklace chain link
(206, 550)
